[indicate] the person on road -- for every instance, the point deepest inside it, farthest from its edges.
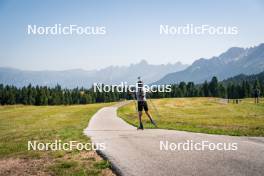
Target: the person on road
(256, 95)
(142, 104)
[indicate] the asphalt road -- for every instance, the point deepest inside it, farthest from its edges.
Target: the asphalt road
(137, 152)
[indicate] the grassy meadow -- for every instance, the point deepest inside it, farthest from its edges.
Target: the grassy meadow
(20, 124)
(205, 115)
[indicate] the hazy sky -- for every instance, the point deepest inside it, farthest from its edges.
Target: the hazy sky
(132, 31)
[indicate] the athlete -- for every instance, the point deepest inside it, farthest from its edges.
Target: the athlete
(142, 104)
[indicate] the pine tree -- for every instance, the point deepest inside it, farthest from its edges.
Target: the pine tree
(1, 94)
(205, 89)
(213, 87)
(182, 87)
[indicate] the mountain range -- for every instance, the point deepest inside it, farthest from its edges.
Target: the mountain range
(233, 62)
(84, 78)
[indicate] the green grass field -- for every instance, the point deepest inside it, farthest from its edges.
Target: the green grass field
(205, 115)
(20, 124)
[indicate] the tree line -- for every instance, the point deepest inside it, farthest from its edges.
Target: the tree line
(43, 95)
(213, 88)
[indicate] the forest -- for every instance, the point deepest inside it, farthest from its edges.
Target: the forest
(43, 95)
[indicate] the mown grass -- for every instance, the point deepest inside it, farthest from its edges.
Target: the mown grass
(205, 115)
(20, 124)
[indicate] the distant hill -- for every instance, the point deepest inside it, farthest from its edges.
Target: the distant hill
(79, 77)
(232, 62)
(242, 77)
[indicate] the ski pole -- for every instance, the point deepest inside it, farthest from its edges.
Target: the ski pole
(135, 102)
(154, 107)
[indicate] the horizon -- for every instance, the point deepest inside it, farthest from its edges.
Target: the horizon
(132, 32)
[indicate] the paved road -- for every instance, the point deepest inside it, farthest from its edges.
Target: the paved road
(136, 152)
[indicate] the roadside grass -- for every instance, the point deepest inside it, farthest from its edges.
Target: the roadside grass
(20, 124)
(204, 115)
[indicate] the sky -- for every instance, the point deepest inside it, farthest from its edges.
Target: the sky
(132, 31)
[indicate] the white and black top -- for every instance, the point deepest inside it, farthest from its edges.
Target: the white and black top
(141, 94)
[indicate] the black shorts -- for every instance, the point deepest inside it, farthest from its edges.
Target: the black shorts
(142, 105)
